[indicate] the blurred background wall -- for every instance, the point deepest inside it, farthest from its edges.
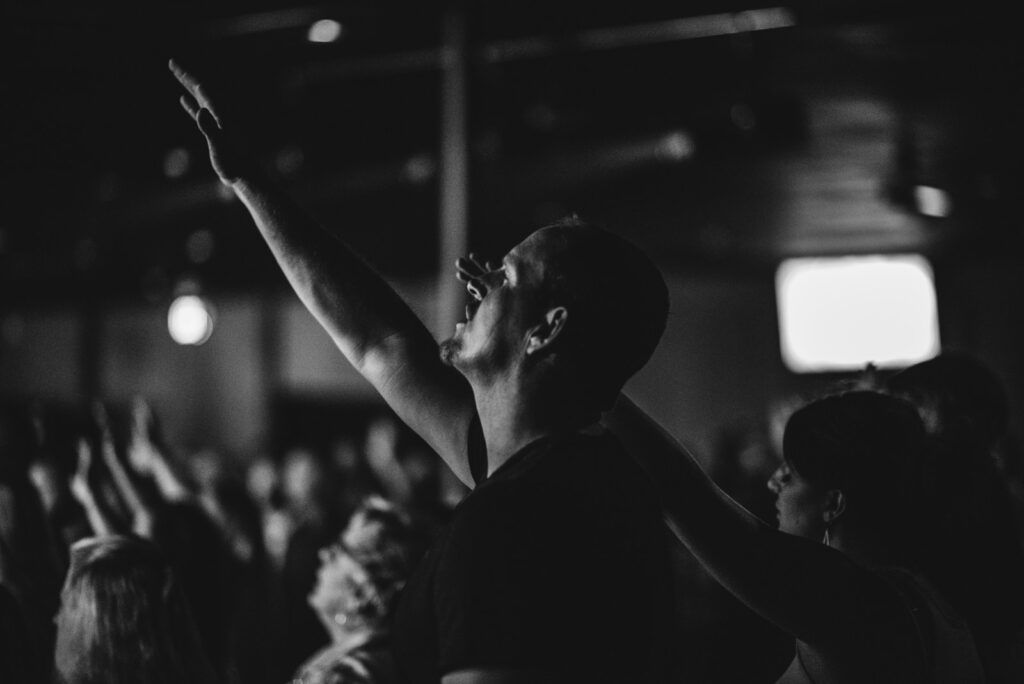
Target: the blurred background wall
(723, 137)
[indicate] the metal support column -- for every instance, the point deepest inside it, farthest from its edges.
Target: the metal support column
(453, 172)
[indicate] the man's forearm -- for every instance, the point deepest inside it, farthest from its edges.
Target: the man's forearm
(372, 326)
(787, 579)
(357, 308)
(352, 302)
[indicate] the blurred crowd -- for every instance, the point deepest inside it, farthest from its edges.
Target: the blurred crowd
(123, 560)
(270, 562)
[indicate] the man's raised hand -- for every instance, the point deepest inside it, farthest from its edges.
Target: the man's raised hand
(469, 268)
(227, 160)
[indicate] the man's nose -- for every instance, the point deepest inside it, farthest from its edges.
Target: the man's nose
(774, 482)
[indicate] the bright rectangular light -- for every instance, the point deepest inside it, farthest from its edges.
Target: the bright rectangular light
(841, 313)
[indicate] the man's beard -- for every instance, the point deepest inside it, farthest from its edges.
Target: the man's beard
(448, 349)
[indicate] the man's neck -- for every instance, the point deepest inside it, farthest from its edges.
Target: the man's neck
(514, 414)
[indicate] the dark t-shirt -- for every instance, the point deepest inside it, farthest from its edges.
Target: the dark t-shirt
(557, 562)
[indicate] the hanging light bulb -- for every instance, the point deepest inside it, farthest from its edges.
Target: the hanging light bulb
(325, 31)
(190, 320)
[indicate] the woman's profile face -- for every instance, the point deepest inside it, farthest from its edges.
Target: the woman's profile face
(799, 505)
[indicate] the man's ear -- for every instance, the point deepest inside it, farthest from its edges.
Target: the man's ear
(835, 505)
(544, 334)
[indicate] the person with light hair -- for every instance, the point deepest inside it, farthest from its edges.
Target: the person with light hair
(357, 588)
(123, 619)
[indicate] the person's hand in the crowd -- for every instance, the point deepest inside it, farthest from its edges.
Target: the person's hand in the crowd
(82, 490)
(148, 456)
(102, 419)
(143, 441)
(127, 491)
(80, 486)
(228, 161)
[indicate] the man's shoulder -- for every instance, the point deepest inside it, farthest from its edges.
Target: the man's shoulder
(583, 455)
(598, 464)
(568, 465)
(578, 479)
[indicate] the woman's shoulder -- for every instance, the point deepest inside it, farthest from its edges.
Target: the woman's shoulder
(953, 653)
(887, 636)
(942, 636)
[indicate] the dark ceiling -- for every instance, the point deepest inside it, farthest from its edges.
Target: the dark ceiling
(714, 148)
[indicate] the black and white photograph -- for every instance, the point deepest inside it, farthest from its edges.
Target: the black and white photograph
(451, 342)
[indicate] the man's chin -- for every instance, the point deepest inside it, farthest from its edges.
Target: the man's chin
(448, 350)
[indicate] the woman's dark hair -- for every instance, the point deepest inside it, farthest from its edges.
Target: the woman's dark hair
(959, 397)
(977, 558)
(869, 446)
(124, 619)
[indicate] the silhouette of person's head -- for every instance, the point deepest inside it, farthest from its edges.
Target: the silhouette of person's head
(572, 299)
(123, 618)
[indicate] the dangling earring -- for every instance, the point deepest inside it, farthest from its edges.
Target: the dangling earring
(826, 540)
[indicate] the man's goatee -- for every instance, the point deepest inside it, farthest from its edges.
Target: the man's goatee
(447, 351)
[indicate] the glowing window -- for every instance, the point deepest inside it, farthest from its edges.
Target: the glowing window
(841, 313)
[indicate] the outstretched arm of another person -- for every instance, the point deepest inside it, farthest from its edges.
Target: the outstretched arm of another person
(140, 511)
(148, 454)
(83, 492)
(371, 325)
(817, 594)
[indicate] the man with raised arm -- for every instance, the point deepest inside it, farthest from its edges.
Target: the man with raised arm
(555, 568)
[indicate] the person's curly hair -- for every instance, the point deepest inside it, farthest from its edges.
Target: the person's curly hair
(380, 539)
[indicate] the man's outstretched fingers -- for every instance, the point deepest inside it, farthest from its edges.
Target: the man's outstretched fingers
(184, 78)
(190, 106)
(207, 123)
(194, 88)
(462, 269)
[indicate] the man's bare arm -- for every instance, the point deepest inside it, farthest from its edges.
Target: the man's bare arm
(371, 325)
